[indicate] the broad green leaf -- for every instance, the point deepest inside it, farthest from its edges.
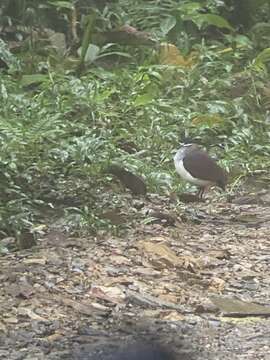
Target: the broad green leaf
(3, 92)
(89, 24)
(3, 250)
(190, 8)
(118, 53)
(62, 4)
(208, 120)
(167, 24)
(91, 53)
(94, 52)
(102, 73)
(263, 57)
(243, 40)
(144, 99)
(27, 80)
(212, 19)
(12, 62)
(101, 97)
(260, 27)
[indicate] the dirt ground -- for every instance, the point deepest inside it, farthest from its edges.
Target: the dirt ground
(195, 277)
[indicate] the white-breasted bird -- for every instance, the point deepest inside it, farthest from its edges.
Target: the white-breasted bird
(194, 165)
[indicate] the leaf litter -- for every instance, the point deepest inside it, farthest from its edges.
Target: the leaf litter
(184, 282)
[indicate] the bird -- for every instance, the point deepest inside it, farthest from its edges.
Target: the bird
(133, 182)
(196, 166)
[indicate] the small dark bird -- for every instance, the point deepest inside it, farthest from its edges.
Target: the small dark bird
(195, 166)
(133, 182)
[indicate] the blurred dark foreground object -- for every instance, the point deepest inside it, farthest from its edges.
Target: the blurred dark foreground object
(144, 352)
(139, 351)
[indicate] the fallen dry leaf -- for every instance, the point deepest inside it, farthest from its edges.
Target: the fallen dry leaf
(112, 294)
(169, 298)
(162, 251)
(123, 280)
(119, 260)
(35, 261)
(172, 316)
(86, 309)
(236, 307)
(11, 320)
(3, 327)
(217, 284)
(54, 337)
(161, 255)
(170, 55)
(31, 314)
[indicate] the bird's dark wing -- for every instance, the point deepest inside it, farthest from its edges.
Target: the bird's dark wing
(201, 166)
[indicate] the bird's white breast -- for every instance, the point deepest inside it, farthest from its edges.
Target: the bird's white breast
(179, 166)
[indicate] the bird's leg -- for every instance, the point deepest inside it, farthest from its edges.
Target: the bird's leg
(200, 192)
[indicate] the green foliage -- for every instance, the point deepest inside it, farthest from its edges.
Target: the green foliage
(8, 58)
(94, 53)
(169, 17)
(262, 59)
(212, 19)
(59, 132)
(89, 21)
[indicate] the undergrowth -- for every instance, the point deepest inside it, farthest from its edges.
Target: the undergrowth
(59, 135)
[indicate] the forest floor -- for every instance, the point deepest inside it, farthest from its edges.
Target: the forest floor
(197, 279)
